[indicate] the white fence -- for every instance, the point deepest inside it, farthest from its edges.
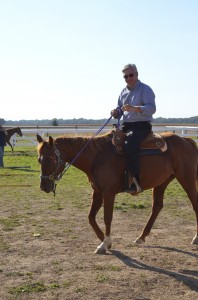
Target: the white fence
(29, 134)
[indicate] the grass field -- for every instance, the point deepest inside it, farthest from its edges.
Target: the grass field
(47, 245)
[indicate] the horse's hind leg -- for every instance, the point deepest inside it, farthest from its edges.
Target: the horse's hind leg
(190, 187)
(194, 200)
(158, 195)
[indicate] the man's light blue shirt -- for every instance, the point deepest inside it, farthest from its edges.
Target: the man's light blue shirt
(141, 95)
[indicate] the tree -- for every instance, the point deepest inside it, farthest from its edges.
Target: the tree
(2, 121)
(54, 122)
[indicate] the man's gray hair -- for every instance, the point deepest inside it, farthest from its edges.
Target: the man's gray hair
(130, 66)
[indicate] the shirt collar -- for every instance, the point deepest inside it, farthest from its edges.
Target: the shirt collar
(137, 82)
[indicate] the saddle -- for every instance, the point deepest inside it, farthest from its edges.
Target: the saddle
(152, 141)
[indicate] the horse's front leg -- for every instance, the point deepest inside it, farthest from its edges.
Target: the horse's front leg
(95, 207)
(8, 142)
(108, 199)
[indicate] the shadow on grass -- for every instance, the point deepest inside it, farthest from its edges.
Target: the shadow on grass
(187, 280)
(22, 168)
(173, 250)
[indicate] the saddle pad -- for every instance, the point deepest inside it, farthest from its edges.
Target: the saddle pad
(152, 141)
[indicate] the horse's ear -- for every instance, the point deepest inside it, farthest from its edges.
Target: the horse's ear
(51, 141)
(39, 138)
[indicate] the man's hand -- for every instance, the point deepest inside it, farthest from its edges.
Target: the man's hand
(128, 107)
(114, 113)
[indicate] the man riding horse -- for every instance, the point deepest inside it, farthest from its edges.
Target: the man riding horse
(136, 104)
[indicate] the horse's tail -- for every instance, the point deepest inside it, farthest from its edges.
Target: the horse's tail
(197, 174)
(197, 163)
(192, 142)
(197, 170)
(197, 167)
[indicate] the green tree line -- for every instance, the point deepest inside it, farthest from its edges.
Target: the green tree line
(56, 121)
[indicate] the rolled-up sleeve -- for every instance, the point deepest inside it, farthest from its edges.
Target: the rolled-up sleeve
(142, 96)
(148, 106)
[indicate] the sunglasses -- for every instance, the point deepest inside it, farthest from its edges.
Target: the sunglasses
(126, 76)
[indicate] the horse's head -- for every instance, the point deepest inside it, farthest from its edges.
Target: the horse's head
(19, 132)
(51, 163)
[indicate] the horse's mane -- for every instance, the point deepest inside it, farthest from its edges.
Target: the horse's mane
(39, 146)
(95, 144)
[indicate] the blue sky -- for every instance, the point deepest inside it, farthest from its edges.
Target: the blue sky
(63, 59)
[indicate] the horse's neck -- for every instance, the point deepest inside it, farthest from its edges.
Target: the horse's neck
(13, 130)
(77, 151)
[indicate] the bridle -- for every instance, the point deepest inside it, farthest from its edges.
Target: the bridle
(58, 162)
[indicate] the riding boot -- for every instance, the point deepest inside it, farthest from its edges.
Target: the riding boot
(136, 181)
(135, 186)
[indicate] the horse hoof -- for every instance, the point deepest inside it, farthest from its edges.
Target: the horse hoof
(100, 251)
(195, 240)
(139, 241)
(109, 246)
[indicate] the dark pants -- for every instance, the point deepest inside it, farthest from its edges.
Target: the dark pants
(137, 132)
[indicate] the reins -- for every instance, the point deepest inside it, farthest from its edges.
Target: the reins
(68, 165)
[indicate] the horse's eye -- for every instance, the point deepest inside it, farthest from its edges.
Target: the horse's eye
(48, 160)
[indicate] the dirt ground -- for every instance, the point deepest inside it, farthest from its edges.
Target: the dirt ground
(51, 256)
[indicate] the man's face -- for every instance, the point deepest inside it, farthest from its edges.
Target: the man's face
(130, 77)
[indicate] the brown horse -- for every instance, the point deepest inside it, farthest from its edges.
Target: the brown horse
(105, 170)
(10, 132)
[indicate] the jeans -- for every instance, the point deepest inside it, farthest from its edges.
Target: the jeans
(137, 132)
(1, 155)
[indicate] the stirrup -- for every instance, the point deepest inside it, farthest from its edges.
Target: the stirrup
(138, 187)
(134, 188)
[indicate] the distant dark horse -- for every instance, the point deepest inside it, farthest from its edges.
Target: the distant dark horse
(10, 132)
(105, 170)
